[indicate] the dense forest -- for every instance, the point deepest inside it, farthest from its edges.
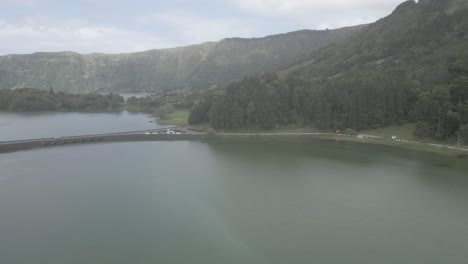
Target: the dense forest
(39, 100)
(411, 66)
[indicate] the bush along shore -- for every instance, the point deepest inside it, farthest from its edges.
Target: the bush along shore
(29, 100)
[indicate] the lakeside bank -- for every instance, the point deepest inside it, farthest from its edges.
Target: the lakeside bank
(308, 137)
(267, 138)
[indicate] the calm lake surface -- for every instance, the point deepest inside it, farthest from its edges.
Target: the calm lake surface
(17, 126)
(192, 202)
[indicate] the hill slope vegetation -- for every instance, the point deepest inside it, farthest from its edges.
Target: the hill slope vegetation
(191, 67)
(411, 66)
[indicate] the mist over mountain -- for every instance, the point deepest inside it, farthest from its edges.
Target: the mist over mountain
(191, 67)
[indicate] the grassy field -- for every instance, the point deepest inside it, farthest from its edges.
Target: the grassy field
(200, 128)
(404, 131)
(178, 118)
(284, 129)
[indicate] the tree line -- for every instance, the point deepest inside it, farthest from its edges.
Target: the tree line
(356, 100)
(26, 99)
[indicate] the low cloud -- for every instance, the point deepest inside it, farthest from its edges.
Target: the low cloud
(292, 7)
(318, 14)
(190, 28)
(146, 24)
(25, 2)
(42, 34)
(150, 31)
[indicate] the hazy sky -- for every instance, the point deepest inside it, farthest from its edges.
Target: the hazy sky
(113, 26)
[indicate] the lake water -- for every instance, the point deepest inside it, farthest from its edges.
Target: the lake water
(17, 126)
(192, 202)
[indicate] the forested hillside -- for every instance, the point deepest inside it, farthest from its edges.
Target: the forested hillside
(411, 66)
(198, 66)
(23, 100)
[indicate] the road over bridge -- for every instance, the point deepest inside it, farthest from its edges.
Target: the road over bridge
(180, 133)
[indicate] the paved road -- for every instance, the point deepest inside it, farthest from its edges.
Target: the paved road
(156, 135)
(140, 132)
(140, 135)
(275, 134)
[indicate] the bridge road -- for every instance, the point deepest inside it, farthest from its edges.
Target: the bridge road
(143, 135)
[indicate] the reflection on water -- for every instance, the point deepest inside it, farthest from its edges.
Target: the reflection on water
(189, 202)
(17, 126)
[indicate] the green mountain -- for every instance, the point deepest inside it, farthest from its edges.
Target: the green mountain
(197, 66)
(424, 39)
(409, 66)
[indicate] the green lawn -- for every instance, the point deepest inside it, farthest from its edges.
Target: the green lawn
(178, 118)
(200, 127)
(404, 131)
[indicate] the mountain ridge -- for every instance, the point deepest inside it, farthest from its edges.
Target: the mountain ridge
(188, 67)
(378, 43)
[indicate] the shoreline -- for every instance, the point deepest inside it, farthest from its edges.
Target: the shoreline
(361, 139)
(262, 137)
